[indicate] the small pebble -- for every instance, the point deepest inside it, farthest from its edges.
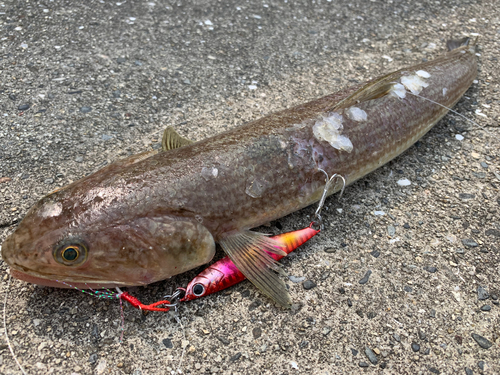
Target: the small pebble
(470, 243)
(421, 335)
(391, 231)
(371, 355)
(256, 332)
(235, 357)
(48, 181)
(365, 278)
(486, 308)
(415, 347)
(168, 343)
(309, 284)
(396, 337)
(85, 109)
(363, 364)
(481, 364)
(468, 371)
(121, 60)
(484, 165)
(482, 293)
(406, 226)
(349, 302)
(23, 107)
(375, 253)
(354, 352)
(430, 269)
(482, 342)
(12, 97)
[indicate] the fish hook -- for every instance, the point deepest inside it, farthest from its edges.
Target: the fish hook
(317, 215)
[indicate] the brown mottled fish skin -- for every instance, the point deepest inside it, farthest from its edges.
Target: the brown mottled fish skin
(145, 219)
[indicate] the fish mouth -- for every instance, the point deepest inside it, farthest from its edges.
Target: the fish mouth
(52, 281)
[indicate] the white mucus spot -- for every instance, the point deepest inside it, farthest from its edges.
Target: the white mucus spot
(356, 114)
(445, 90)
(414, 83)
(459, 137)
(329, 129)
(209, 173)
(398, 90)
(422, 73)
(404, 182)
(51, 210)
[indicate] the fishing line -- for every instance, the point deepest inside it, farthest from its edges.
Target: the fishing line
(5, 327)
(184, 348)
(455, 112)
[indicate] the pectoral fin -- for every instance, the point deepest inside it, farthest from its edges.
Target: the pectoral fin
(172, 140)
(249, 252)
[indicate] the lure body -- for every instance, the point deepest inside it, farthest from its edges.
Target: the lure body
(224, 274)
(147, 218)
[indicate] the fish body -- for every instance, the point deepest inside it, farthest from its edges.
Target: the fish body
(224, 274)
(149, 217)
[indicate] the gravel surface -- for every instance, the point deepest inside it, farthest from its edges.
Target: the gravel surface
(398, 280)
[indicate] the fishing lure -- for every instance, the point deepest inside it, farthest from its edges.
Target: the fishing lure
(223, 273)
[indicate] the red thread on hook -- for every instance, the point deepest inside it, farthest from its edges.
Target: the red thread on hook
(139, 305)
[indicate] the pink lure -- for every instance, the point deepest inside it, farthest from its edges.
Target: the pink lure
(223, 274)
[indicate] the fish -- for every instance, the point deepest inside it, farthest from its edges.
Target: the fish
(224, 274)
(158, 214)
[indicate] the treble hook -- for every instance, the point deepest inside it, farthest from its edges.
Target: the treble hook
(329, 181)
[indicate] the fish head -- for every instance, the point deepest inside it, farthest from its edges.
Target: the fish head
(67, 239)
(207, 282)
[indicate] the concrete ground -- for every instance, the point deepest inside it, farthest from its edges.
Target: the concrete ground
(84, 83)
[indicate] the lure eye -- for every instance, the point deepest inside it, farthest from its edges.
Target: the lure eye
(198, 290)
(70, 254)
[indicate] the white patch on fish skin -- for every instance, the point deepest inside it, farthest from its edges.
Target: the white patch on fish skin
(398, 90)
(445, 90)
(422, 73)
(414, 83)
(51, 210)
(329, 128)
(209, 173)
(356, 114)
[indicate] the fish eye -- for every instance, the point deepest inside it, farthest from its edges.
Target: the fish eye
(72, 254)
(198, 290)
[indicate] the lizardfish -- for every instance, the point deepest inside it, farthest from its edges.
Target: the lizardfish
(152, 216)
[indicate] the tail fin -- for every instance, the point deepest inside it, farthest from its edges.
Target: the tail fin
(457, 43)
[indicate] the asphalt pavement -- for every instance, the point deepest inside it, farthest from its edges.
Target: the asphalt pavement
(404, 279)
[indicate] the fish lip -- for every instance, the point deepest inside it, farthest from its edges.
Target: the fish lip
(52, 280)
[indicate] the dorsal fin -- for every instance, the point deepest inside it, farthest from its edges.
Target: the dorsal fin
(370, 91)
(172, 140)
